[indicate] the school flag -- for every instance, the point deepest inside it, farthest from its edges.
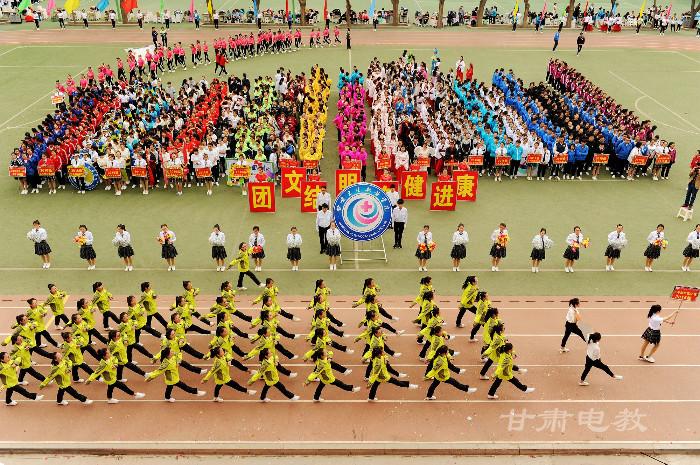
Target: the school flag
(210, 8)
(585, 10)
(294, 10)
(191, 10)
(162, 7)
(372, 7)
(325, 10)
(71, 5)
(515, 9)
(129, 5)
(118, 11)
(286, 10)
(668, 11)
(641, 10)
(544, 10)
(50, 7)
(24, 4)
(102, 5)
(614, 9)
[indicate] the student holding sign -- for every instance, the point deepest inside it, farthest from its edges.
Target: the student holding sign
(692, 250)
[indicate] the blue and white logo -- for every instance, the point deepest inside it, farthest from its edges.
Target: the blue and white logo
(362, 212)
(92, 178)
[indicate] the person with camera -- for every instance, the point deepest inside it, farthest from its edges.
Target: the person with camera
(693, 186)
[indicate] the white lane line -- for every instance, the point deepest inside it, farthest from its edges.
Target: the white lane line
(656, 101)
(408, 401)
(649, 117)
(559, 335)
(559, 307)
(685, 56)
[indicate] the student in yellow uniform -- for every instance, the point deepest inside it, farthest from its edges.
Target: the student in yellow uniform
(269, 372)
(272, 291)
(61, 369)
(504, 372)
(437, 339)
(466, 303)
(9, 381)
(370, 287)
(127, 328)
(322, 340)
(492, 320)
(20, 354)
(323, 372)
(229, 293)
(139, 315)
(268, 318)
(243, 262)
(169, 368)
(381, 373)
(223, 318)
(81, 336)
(107, 372)
(190, 295)
(371, 306)
(117, 348)
(57, 302)
(426, 284)
(321, 320)
(175, 344)
(178, 325)
(440, 373)
(434, 320)
(71, 351)
(426, 308)
(36, 313)
(224, 340)
(102, 299)
(483, 303)
(320, 300)
(148, 300)
(183, 308)
(86, 311)
(498, 340)
(222, 375)
(27, 329)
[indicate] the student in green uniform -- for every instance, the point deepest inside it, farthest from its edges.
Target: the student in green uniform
(324, 374)
(169, 368)
(222, 376)
(9, 381)
(107, 371)
(61, 369)
(57, 302)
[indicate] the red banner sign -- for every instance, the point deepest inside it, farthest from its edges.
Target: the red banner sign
(115, 173)
(502, 161)
(46, 171)
(467, 183)
(443, 195)
(384, 185)
(309, 190)
(534, 159)
(423, 162)
(288, 163)
(600, 158)
(663, 159)
(261, 197)
(352, 165)
(18, 171)
(291, 181)
(203, 172)
(76, 171)
(239, 171)
(139, 171)
(310, 164)
(414, 185)
(176, 173)
(345, 178)
(384, 162)
(476, 160)
(689, 294)
(560, 159)
(639, 160)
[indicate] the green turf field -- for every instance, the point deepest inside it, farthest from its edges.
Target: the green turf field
(662, 85)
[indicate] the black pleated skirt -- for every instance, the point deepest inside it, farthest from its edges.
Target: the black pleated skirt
(571, 254)
(218, 252)
(168, 251)
(125, 251)
(497, 252)
(42, 248)
(87, 252)
(458, 251)
(537, 254)
(333, 250)
(653, 251)
(294, 253)
(612, 252)
(690, 252)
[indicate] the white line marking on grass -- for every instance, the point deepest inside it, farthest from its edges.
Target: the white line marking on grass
(656, 101)
(646, 115)
(685, 56)
(10, 50)
(39, 66)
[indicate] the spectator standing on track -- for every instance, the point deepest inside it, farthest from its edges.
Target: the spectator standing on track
(573, 316)
(593, 359)
(556, 41)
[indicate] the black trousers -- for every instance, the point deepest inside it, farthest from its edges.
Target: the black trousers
(280, 387)
(189, 367)
(462, 311)
(384, 313)
(283, 350)
(130, 366)
(93, 332)
(451, 382)
(595, 363)
(337, 382)
(192, 351)
(514, 381)
(47, 336)
(398, 233)
(475, 329)
(40, 351)
(118, 385)
(106, 316)
(90, 350)
(197, 329)
(158, 317)
(394, 381)
(70, 390)
(181, 385)
(19, 390)
(139, 348)
(242, 316)
(149, 330)
(231, 384)
(250, 274)
(30, 371)
(57, 319)
(570, 328)
(282, 332)
(85, 368)
(322, 238)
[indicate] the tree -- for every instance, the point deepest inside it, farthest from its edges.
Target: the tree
(526, 12)
(302, 8)
(694, 8)
(395, 16)
(124, 14)
(480, 12)
(569, 13)
(348, 13)
(441, 12)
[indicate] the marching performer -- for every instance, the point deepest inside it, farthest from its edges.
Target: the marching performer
(504, 372)
(243, 261)
(652, 335)
(459, 246)
(122, 241)
(573, 316)
(323, 372)
(167, 239)
(61, 369)
(294, 248)
(217, 239)
(617, 240)
(692, 250)
(169, 368)
(500, 239)
(593, 359)
(656, 242)
(57, 302)
(540, 243)
(256, 241)
(574, 243)
(38, 236)
(85, 239)
(470, 288)
(8, 380)
(333, 246)
(440, 373)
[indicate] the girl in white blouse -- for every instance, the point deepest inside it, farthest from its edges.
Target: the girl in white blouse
(652, 335)
(425, 239)
(256, 241)
(574, 242)
(656, 242)
(593, 359)
(294, 248)
(539, 243)
(122, 240)
(333, 248)
(85, 239)
(459, 246)
(167, 239)
(217, 239)
(39, 236)
(692, 250)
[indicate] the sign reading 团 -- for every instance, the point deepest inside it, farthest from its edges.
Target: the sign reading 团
(362, 212)
(261, 197)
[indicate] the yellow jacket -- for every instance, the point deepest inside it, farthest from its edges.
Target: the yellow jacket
(220, 371)
(61, 373)
(37, 315)
(107, 369)
(169, 369)
(468, 295)
(481, 308)
(268, 371)
(243, 260)
(148, 300)
(8, 374)
(497, 341)
(102, 300)
(323, 372)
(379, 371)
(20, 353)
(72, 352)
(57, 302)
(440, 370)
(504, 370)
(138, 314)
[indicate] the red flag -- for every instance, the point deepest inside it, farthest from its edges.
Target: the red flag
(585, 10)
(668, 11)
(325, 10)
(286, 10)
(544, 10)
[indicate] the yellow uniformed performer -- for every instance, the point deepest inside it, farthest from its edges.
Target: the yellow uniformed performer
(169, 368)
(57, 302)
(381, 373)
(440, 373)
(483, 303)
(222, 375)
(323, 372)
(269, 372)
(504, 372)
(9, 381)
(466, 303)
(61, 373)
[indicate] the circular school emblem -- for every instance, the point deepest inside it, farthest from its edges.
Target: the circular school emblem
(92, 178)
(362, 212)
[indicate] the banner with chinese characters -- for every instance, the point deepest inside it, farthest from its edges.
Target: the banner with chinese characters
(443, 195)
(414, 185)
(309, 190)
(686, 293)
(18, 171)
(352, 165)
(385, 185)
(345, 178)
(261, 197)
(467, 183)
(291, 181)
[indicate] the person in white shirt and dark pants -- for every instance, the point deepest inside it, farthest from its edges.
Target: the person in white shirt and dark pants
(423, 253)
(399, 215)
(323, 222)
(593, 359)
(38, 236)
(571, 326)
(323, 198)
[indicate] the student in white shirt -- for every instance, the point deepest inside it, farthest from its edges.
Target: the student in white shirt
(256, 241)
(540, 243)
(294, 248)
(425, 240)
(692, 250)
(574, 242)
(122, 240)
(616, 242)
(652, 335)
(39, 236)
(656, 242)
(323, 197)
(393, 195)
(459, 246)
(323, 222)
(593, 359)
(399, 216)
(499, 238)
(217, 239)
(140, 162)
(573, 316)
(167, 239)
(333, 245)
(85, 239)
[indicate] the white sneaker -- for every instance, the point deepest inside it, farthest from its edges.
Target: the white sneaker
(295, 398)
(13, 403)
(170, 399)
(23, 383)
(266, 400)
(484, 377)
(403, 375)
(347, 372)
(139, 395)
(293, 375)
(431, 398)
(397, 354)
(113, 401)
(218, 399)
(618, 377)
(356, 389)
(126, 268)
(400, 332)
(492, 397)
(39, 397)
(529, 390)
(350, 351)
(201, 393)
(522, 370)
(63, 402)
(493, 268)
(649, 359)
(242, 288)
(471, 390)
(612, 268)
(252, 392)
(583, 383)
(412, 386)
